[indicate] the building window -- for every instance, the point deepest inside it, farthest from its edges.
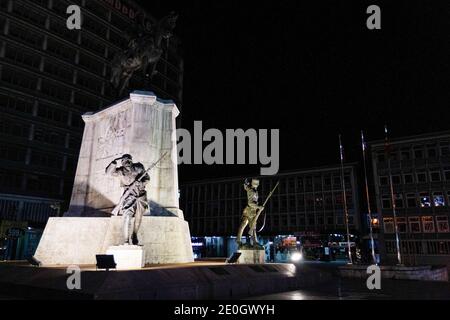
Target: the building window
(418, 153)
(388, 225)
(438, 199)
(411, 200)
(390, 247)
(384, 181)
(381, 157)
(351, 220)
(425, 201)
(401, 224)
(292, 202)
(414, 224)
(421, 177)
(445, 148)
(435, 176)
(431, 151)
(444, 247)
(300, 202)
(398, 200)
(396, 179)
(386, 202)
(330, 221)
(408, 178)
(428, 224)
(442, 224)
(406, 155)
(299, 184)
(447, 175)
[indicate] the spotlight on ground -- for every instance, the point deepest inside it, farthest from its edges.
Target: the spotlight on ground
(296, 257)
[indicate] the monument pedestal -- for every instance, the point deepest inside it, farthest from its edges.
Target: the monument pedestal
(252, 256)
(127, 256)
(144, 127)
(67, 241)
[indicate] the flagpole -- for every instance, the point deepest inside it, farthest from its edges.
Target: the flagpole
(341, 151)
(369, 210)
(394, 211)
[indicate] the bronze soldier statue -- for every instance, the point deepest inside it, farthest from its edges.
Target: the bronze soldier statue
(133, 204)
(251, 213)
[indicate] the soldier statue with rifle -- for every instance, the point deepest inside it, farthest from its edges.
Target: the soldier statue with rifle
(252, 212)
(133, 203)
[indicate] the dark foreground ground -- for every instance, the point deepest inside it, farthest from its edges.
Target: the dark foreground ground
(356, 289)
(353, 289)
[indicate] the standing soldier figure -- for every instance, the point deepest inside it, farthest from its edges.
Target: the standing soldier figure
(251, 212)
(133, 204)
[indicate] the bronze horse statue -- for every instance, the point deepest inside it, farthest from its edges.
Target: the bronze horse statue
(144, 49)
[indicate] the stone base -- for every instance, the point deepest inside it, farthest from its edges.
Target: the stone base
(127, 257)
(252, 256)
(68, 241)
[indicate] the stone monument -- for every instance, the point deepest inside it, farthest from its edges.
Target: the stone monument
(141, 128)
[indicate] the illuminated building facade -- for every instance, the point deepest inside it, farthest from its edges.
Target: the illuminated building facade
(420, 170)
(49, 77)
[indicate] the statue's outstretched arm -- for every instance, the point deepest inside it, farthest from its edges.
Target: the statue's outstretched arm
(111, 169)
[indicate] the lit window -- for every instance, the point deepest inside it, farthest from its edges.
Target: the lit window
(414, 224)
(388, 225)
(428, 224)
(442, 224)
(438, 199)
(425, 201)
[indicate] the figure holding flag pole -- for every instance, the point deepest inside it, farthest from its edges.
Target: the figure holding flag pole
(344, 194)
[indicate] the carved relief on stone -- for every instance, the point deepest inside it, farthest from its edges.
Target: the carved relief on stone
(112, 134)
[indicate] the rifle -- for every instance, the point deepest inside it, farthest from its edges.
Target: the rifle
(264, 204)
(116, 210)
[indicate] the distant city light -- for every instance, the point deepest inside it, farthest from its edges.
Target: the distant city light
(297, 256)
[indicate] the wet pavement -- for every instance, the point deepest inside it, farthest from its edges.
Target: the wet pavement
(356, 289)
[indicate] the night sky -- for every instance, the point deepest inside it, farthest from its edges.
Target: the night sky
(313, 70)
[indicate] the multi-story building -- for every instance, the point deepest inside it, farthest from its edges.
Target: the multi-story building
(307, 202)
(420, 171)
(49, 77)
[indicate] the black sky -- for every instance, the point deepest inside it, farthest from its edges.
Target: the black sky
(313, 70)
